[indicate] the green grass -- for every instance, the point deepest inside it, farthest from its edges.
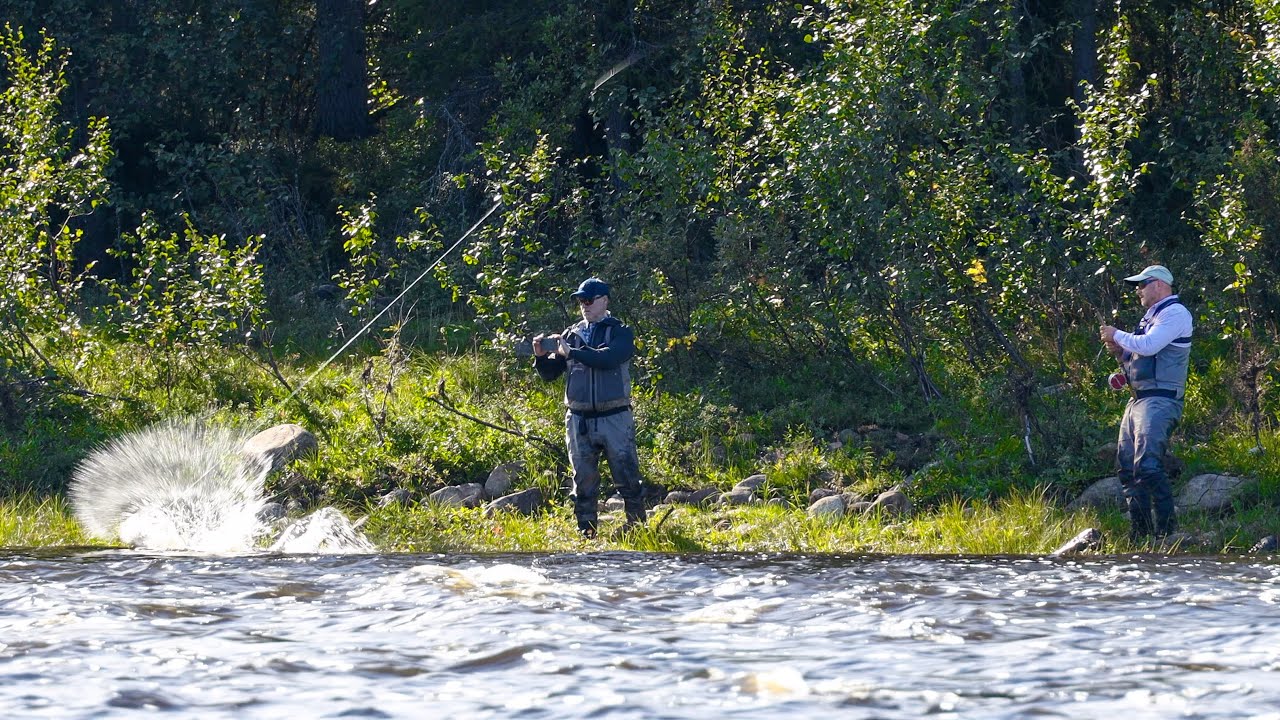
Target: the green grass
(29, 522)
(1026, 523)
(380, 428)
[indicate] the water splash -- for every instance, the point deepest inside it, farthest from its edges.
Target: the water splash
(324, 531)
(185, 485)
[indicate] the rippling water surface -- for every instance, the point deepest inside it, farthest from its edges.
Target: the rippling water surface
(120, 634)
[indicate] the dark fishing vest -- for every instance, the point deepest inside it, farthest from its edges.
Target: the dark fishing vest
(596, 392)
(1165, 373)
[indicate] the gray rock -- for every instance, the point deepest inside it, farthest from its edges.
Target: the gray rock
(751, 483)
(525, 502)
(822, 492)
(737, 497)
(270, 512)
(892, 502)
(469, 495)
(851, 498)
(502, 478)
(848, 436)
(1266, 545)
(1105, 494)
(1088, 539)
(678, 497)
(705, 496)
(1182, 541)
(858, 508)
(277, 446)
(829, 508)
(399, 496)
(293, 507)
(614, 503)
(777, 502)
(1213, 493)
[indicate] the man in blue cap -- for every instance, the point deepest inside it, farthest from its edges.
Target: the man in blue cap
(596, 352)
(1154, 358)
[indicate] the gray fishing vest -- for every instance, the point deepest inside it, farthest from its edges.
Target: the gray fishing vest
(1165, 373)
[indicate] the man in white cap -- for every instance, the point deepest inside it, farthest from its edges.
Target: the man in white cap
(1154, 358)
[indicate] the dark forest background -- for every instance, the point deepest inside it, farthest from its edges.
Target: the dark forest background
(891, 206)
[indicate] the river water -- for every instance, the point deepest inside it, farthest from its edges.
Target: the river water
(96, 634)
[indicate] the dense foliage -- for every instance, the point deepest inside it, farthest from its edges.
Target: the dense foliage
(818, 216)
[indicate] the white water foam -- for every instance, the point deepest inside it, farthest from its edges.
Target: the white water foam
(186, 486)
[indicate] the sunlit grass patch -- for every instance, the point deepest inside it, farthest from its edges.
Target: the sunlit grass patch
(29, 522)
(1026, 523)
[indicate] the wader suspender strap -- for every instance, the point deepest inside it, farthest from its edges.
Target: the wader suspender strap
(1142, 329)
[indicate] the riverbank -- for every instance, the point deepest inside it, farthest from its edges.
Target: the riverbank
(392, 423)
(1022, 524)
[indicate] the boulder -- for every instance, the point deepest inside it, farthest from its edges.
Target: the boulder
(1088, 539)
(848, 437)
(525, 502)
(399, 496)
(679, 497)
(1105, 494)
(502, 478)
(1267, 544)
(468, 495)
(777, 502)
(828, 508)
(705, 496)
(822, 492)
(1213, 493)
(892, 502)
(751, 483)
(1184, 541)
(737, 497)
(615, 503)
(277, 446)
(270, 512)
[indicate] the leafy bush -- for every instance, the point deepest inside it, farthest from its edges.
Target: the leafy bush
(50, 180)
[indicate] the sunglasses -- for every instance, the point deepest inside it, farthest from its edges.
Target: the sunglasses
(1146, 282)
(585, 302)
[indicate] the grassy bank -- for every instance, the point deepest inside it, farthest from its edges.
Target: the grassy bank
(390, 418)
(1022, 524)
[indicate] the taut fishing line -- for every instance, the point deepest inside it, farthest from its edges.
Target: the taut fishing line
(384, 310)
(185, 486)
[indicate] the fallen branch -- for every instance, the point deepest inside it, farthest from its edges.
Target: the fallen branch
(54, 386)
(555, 450)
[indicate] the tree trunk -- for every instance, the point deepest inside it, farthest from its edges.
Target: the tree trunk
(342, 90)
(1084, 48)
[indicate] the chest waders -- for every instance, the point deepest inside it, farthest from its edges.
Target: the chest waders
(1158, 383)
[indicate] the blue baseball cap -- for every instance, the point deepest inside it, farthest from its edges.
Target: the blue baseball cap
(592, 288)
